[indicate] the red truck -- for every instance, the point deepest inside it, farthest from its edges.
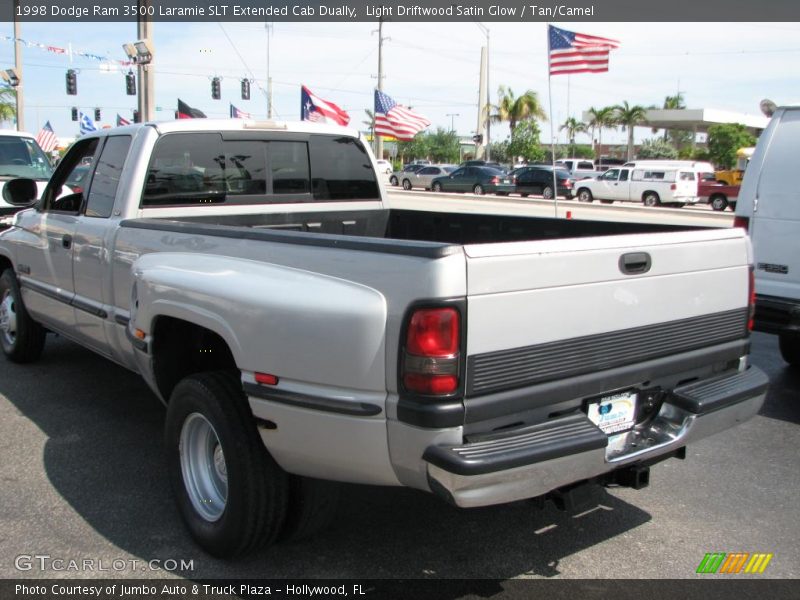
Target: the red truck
(718, 195)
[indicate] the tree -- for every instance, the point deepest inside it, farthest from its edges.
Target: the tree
(573, 126)
(656, 148)
(442, 146)
(370, 122)
(723, 142)
(8, 103)
(525, 142)
(676, 136)
(629, 116)
(515, 109)
(600, 118)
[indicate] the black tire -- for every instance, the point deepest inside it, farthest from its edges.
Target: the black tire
(22, 339)
(718, 202)
(406, 184)
(393, 180)
(585, 195)
(547, 193)
(256, 499)
(437, 187)
(313, 504)
(651, 199)
(790, 349)
(478, 189)
(732, 206)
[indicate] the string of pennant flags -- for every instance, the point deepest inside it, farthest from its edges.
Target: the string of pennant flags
(66, 51)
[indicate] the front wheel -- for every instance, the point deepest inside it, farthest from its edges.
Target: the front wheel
(478, 190)
(21, 338)
(547, 193)
(651, 199)
(393, 180)
(790, 349)
(406, 184)
(231, 493)
(585, 195)
(719, 203)
(437, 187)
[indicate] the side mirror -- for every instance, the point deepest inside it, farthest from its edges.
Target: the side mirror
(20, 192)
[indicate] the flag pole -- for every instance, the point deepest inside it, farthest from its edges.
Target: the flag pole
(552, 134)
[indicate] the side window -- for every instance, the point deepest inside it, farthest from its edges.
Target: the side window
(686, 176)
(106, 176)
(623, 175)
(63, 194)
(288, 163)
(341, 170)
(428, 171)
(611, 175)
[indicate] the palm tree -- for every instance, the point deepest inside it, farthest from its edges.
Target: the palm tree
(515, 109)
(8, 103)
(370, 122)
(629, 116)
(600, 118)
(573, 127)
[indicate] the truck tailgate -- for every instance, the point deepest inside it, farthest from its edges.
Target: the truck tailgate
(551, 309)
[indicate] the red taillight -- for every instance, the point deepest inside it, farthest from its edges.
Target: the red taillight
(430, 361)
(568, 184)
(495, 180)
(742, 222)
(673, 187)
(751, 299)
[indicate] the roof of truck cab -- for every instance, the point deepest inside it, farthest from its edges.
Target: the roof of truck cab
(203, 125)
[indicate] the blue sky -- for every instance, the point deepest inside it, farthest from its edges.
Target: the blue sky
(430, 66)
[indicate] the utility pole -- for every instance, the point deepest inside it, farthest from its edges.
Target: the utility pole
(488, 105)
(20, 97)
(381, 39)
(144, 31)
(268, 27)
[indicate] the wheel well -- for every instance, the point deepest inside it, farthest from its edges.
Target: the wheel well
(5, 264)
(718, 195)
(181, 349)
(644, 194)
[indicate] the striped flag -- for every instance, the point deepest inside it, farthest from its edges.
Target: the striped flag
(314, 108)
(46, 138)
(239, 114)
(121, 121)
(572, 52)
(86, 124)
(394, 120)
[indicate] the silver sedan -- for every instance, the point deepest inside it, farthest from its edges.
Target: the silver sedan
(424, 177)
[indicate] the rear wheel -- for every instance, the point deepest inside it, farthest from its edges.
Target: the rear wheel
(313, 504)
(21, 338)
(651, 199)
(790, 349)
(719, 202)
(547, 193)
(393, 180)
(478, 190)
(437, 187)
(231, 493)
(406, 184)
(585, 195)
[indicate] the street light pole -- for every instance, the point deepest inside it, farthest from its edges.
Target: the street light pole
(146, 100)
(488, 104)
(20, 97)
(452, 115)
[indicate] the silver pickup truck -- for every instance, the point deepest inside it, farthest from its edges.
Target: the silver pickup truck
(301, 331)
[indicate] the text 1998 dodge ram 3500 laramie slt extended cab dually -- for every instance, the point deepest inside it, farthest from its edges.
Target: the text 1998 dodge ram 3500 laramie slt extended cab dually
(301, 331)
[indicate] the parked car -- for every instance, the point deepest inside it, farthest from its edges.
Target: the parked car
(538, 179)
(719, 195)
(652, 186)
(478, 180)
(425, 176)
(384, 167)
(769, 208)
(483, 163)
(397, 176)
(21, 156)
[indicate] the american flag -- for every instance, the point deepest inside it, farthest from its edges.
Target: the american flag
(572, 52)
(314, 108)
(392, 119)
(46, 138)
(122, 121)
(239, 114)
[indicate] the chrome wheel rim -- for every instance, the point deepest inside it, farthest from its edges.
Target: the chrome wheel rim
(8, 318)
(205, 473)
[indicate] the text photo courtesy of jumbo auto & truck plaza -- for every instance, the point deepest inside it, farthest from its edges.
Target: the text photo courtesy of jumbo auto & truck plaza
(398, 299)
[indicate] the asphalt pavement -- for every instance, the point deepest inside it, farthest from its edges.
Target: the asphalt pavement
(82, 478)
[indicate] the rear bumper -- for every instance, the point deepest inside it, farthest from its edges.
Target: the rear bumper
(777, 315)
(533, 461)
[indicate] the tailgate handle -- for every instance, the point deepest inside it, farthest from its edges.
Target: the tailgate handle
(635, 263)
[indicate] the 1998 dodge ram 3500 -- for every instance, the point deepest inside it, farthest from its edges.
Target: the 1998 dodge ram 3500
(301, 331)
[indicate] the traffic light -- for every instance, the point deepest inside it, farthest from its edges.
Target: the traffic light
(74, 113)
(72, 83)
(477, 138)
(245, 89)
(130, 84)
(136, 118)
(216, 92)
(97, 115)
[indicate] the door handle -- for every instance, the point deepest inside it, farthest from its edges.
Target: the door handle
(66, 241)
(635, 263)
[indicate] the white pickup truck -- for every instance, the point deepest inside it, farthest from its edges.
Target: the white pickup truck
(301, 331)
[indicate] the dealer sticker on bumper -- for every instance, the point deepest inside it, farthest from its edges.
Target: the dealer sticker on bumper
(613, 414)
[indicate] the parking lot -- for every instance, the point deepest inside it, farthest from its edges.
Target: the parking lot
(84, 477)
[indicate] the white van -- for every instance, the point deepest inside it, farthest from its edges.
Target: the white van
(651, 186)
(769, 207)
